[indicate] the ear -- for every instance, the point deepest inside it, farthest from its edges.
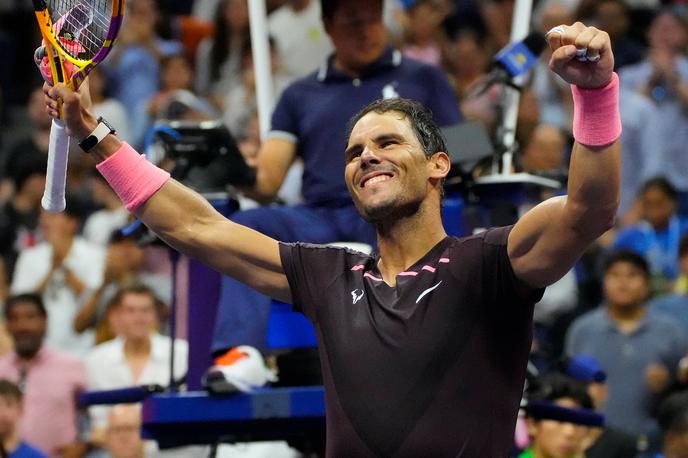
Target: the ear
(439, 165)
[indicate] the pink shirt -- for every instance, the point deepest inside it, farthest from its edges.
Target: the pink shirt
(53, 381)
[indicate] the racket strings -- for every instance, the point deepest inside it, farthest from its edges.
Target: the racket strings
(81, 26)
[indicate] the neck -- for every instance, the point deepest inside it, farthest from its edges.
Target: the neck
(407, 239)
(626, 314)
(137, 347)
(11, 441)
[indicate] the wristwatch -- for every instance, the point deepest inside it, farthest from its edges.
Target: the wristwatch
(99, 133)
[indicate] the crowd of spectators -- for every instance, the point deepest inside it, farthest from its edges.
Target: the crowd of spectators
(85, 305)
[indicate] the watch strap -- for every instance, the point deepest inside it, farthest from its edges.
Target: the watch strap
(102, 130)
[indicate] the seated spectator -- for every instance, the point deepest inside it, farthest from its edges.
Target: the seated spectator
(50, 380)
(135, 63)
(302, 44)
(638, 351)
(218, 60)
(176, 74)
(663, 77)
(106, 106)
(61, 270)
(656, 236)
(240, 102)
(424, 39)
(612, 16)
(123, 432)
(467, 62)
(139, 355)
(553, 438)
(100, 224)
(676, 305)
(28, 149)
(11, 406)
(673, 419)
(19, 228)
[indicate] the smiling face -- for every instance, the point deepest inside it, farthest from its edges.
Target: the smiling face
(387, 171)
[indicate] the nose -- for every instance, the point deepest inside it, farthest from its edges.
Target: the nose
(368, 157)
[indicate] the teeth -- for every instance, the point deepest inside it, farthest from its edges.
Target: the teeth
(377, 179)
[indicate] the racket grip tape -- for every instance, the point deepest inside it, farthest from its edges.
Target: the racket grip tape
(56, 176)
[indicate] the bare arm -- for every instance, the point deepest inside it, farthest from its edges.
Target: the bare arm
(185, 220)
(549, 239)
(274, 159)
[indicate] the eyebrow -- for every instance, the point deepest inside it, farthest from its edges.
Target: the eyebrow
(382, 138)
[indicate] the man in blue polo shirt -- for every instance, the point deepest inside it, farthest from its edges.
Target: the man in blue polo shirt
(310, 122)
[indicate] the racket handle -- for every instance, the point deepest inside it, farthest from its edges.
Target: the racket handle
(56, 176)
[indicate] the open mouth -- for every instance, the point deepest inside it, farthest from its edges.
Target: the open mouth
(376, 178)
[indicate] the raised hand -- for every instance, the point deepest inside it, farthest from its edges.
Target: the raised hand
(581, 55)
(78, 120)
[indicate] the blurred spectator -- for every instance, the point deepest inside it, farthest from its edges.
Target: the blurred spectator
(656, 236)
(123, 433)
(637, 147)
(176, 73)
(106, 106)
(123, 264)
(100, 224)
(425, 39)
(663, 77)
(302, 44)
(553, 438)
(218, 61)
(50, 380)
(28, 149)
(552, 92)
(139, 355)
(676, 305)
(364, 68)
(673, 419)
(240, 102)
(11, 407)
(467, 62)
(612, 16)
(546, 151)
(637, 350)
(19, 217)
(61, 269)
(134, 63)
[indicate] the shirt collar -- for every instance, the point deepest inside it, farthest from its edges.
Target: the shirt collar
(158, 347)
(611, 324)
(41, 355)
(391, 58)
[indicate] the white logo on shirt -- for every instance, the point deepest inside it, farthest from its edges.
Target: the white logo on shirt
(389, 92)
(356, 295)
(422, 295)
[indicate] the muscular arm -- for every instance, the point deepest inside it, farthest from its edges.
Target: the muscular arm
(548, 240)
(186, 221)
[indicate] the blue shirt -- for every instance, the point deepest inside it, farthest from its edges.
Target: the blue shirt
(674, 306)
(26, 451)
(625, 357)
(660, 248)
(314, 113)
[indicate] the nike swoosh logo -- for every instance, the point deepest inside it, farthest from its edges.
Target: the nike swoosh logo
(429, 290)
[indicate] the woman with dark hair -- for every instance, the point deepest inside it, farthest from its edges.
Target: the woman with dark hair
(219, 57)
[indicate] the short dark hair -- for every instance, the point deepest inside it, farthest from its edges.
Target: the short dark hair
(10, 390)
(136, 288)
(661, 184)
(422, 122)
(554, 386)
(26, 169)
(30, 298)
(626, 255)
(329, 7)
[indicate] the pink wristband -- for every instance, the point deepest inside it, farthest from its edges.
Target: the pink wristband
(596, 116)
(132, 177)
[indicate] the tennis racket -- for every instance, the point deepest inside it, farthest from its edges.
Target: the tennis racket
(77, 35)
